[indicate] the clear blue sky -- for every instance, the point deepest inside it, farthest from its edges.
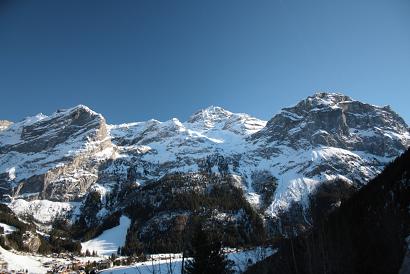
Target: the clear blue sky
(135, 60)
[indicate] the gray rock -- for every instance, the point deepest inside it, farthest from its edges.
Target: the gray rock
(57, 155)
(31, 242)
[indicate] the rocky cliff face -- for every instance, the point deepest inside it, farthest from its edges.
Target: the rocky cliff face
(335, 120)
(325, 137)
(53, 157)
(277, 164)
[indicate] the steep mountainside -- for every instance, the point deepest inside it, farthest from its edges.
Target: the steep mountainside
(368, 233)
(59, 162)
(53, 157)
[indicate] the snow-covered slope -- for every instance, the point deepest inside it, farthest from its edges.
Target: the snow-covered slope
(172, 263)
(44, 211)
(110, 240)
(8, 229)
(278, 163)
(22, 263)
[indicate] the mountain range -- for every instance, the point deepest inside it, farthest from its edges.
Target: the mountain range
(63, 165)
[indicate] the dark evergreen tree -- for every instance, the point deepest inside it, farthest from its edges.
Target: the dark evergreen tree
(207, 256)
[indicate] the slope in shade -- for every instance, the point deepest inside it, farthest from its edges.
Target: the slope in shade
(109, 241)
(367, 234)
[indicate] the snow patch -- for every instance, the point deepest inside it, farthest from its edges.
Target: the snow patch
(8, 229)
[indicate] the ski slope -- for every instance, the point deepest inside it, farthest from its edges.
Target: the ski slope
(109, 241)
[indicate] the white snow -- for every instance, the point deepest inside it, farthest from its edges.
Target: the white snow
(22, 262)
(207, 131)
(8, 229)
(291, 115)
(295, 186)
(109, 241)
(43, 211)
(12, 173)
(171, 263)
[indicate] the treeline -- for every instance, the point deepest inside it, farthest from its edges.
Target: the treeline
(8, 217)
(15, 239)
(56, 242)
(80, 230)
(165, 212)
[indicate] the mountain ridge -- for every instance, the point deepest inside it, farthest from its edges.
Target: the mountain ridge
(277, 163)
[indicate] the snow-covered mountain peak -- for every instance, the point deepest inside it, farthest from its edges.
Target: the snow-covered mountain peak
(326, 99)
(212, 111)
(209, 116)
(4, 124)
(46, 150)
(78, 111)
(216, 118)
(332, 119)
(78, 108)
(174, 122)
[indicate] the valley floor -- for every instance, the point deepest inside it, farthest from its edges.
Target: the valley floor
(23, 262)
(172, 263)
(156, 263)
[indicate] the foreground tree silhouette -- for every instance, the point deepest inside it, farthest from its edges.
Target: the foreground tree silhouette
(207, 256)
